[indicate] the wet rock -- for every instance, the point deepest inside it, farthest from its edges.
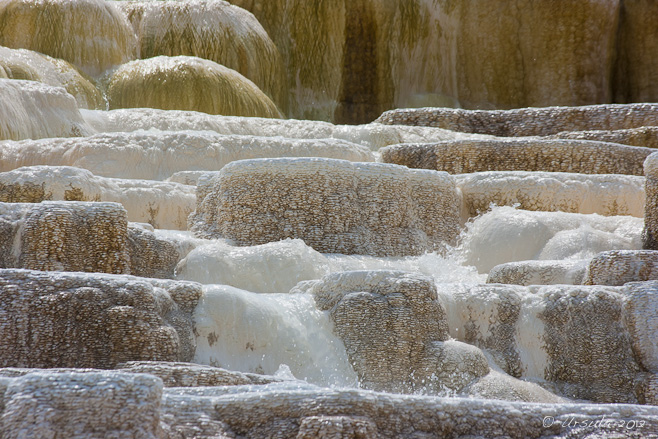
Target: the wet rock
(548, 272)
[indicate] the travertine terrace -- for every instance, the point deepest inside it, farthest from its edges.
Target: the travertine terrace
(311, 219)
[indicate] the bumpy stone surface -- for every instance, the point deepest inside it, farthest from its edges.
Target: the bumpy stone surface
(618, 267)
(333, 205)
(64, 29)
(349, 413)
(577, 337)
(81, 320)
(65, 236)
(150, 256)
(558, 155)
(641, 303)
(213, 30)
(154, 155)
(187, 83)
(642, 136)
(76, 404)
(162, 204)
(650, 233)
(387, 321)
(34, 66)
(539, 272)
(553, 191)
(528, 121)
(31, 110)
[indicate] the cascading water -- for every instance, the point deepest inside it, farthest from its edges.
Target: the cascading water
(435, 273)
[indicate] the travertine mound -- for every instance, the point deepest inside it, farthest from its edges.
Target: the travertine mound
(547, 272)
(373, 135)
(650, 234)
(50, 319)
(607, 195)
(335, 206)
(90, 34)
(64, 236)
(642, 136)
(82, 404)
(149, 255)
(162, 204)
(618, 267)
(213, 30)
(558, 155)
(580, 338)
(154, 155)
(528, 121)
(32, 110)
(187, 83)
(34, 66)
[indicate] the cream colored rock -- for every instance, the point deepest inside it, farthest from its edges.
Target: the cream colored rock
(80, 404)
(213, 30)
(606, 194)
(155, 155)
(163, 205)
(642, 319)
(335, 206)
(546, 272)
(557, 155)
(34, 66)
(31, 110)
(373, 135)
(52, 319)
(149, 255)
(528, 121)
(576, 337)
(650, 234)
(65, 236)
(622, 266)
(187, 83)
(90, 34)
(642, 136)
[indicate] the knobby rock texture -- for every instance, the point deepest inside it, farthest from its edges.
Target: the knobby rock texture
(335, 206)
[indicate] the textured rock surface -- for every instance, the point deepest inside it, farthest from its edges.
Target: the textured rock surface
(528, 121)
(576, 337)
(618, 267)
(163, 205)
(553, 191)
(34, 66)
(558, 155)
(31, 110)
(642, 136)
(65, 236)
(539, 272)
(149, 255)
(641, 299)
(335, 206)
(373, 135)
(62, 29)
(650, 234)
(80, 320)
(213, 30)
(187, 83)
(78, 404)
(156, 155)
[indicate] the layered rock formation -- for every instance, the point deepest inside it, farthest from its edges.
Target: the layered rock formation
(607, 195)
(34, 66)
(528, 121)
(162, 204)
(64, 29)
(212, 30)
(158, 155)
(78, 320)
(335, 206)
(622, 266)
(474, 155)
(31, 110)
(641, 136)
(650, 234)
(547, 272)
(187, 83)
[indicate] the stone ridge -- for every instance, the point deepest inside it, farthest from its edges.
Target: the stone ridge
(335, 206)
